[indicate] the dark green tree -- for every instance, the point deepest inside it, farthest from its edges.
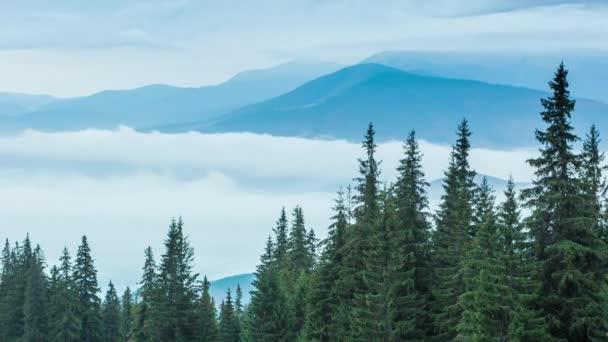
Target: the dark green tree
(207, 315)
(281, 232)
(300, 258)
(593, 183)
(35, 307)
(573, 257)
(111, 316)
(87, 289)
(229, 324)
(145, 328)
(64, 317)
(126, 315)
(451, 237)
(413, 271)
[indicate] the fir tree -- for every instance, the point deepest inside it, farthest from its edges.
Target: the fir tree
(281, 233)
(85, 282)
(207, 313)
(573, 257)
(229, 325)
(36, 300)
(64, 317)
(300, 258)
(111, 316)
(145, 329)
(177, 286)
(412, 288)
(268, 311)
(593, 184)
(451, 237)
(126, 315)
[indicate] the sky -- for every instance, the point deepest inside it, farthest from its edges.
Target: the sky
(72, 48)
(121, 188)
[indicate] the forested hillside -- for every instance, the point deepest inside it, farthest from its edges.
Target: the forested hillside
(530, 268)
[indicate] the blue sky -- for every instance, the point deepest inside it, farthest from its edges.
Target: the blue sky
(69, 47)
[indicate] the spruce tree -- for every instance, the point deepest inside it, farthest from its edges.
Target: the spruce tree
(207, 315)
(413, 272)
(64, 308)
(281, 232)
(7, 282)
(85, 282)
(324, 297)
(573, 257)
(111, 316)
(145, 328)
(126, 315)
(228, 325)
(351, 278)
(300, 258)
(451, 237)
(35, 308)
(177, 285)
(593, 183)
(238, 307)
(268, 311)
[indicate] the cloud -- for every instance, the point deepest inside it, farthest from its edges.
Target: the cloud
(122, 187)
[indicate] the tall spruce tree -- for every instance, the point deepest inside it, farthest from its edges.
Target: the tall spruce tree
(451, 237)
(35, 306)
(324, 298)
(229, 324)
(207, 315)
(593, 182)
(281, 232)
(268, 310)
(177, 286)
(111, 316)
(145, 328)
(64, 308)
(126, 315)
(300, 258)
(87, 289)
(573, 257)
(412, 287)
(351, 278)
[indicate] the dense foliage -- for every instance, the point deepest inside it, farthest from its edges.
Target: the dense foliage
(530, 268)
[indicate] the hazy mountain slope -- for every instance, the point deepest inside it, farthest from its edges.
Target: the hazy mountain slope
(341, 104)
(15, 104)
(588, 73)
(219, 287)
(155, 106)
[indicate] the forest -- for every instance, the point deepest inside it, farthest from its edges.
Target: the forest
(531, 267)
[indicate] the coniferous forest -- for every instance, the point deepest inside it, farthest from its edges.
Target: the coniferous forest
(531, 267)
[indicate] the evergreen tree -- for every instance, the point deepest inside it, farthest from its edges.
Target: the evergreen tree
(111, 316)
(36, 300)
(177, 285)
(452, 236)
(238, 307)
(593, 184)
(573, 257)
(7, 282)
(127, 315)
(351, 278)
(268, 312)
(85, 281)
(229, 324)
(413, 271)
(324, 296)
(64, 317)
(281, 233)
(145, 329)
(300, 258)
(207, 313)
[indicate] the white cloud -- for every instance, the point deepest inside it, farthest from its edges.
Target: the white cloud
(122, 187)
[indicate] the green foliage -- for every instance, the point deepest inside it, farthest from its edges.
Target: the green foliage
(85, 282)
(111, 316)
(126, 315)
(229, 322)
(207, 315)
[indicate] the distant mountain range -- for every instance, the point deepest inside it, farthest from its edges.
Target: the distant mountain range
(399, 91)
(160, 105)
(220, 287)
(341, 104)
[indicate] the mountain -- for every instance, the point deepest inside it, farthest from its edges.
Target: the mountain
(219, 287)
(588, 73)
(160, 105)
(15, 104)
(341, 104)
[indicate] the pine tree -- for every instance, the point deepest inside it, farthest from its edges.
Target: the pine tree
(593, 183)
(111, 316)
(452, 235)
(207, 313)
(573, 257)
(281, 232)
(324, 296)
(7, 282)
(126, 315)
(145, 328)
(238, 307)
(351, 282)
(229, 324)
(36, 300)
(526, 323)
(412, 288)
(268, 311)
(300, 258)
(64, 317)
(85, 281)
(177, 285)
